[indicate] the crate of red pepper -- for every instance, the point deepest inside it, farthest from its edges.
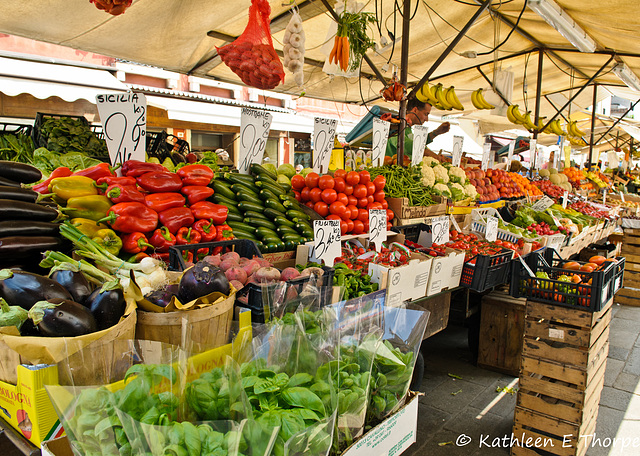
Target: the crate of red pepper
(552, 280)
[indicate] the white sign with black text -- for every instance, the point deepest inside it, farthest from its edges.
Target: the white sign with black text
(377, 227)
(492, 229)
(124, 122)
(254, 132)
(542, 204)
(456, 152)
(486, 152)
(420, 133)
(512, 147)
(327, 239)
(440, 230)
(565, 197)
(379, 141)
(324, 132)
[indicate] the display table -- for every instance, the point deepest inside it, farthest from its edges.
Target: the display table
(439, 306)
(22, 444)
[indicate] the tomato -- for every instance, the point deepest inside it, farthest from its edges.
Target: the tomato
(339, 173)
(350, 223)
(358, 227)
(360, 191)
(379, 182)
(334, 217)
(366, 226)
(371, 188)
(363, 215)
(304, 194)
(326, 181)
(389, 226)
(363, 202)
(297, 195)
(344, 227)
(321, 208)
(309, 204)
(390, 215)
(597, 259)
(370, 199)
(315, 194)
(352, 200)
(378, 196)
(353, 178)
(312, 180)
(354, 211)
(340, 184)
(329, 195)
(572, 265)
(337, 208)
(365, 176)
(298, 182)
(343, 198)
(385, 204)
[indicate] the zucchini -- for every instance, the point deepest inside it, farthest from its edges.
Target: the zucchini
(218, 198)
(263, 231)
(273, 214)
(257, 169)
(304, 230)
(274, 204)
(246, 196)
(224, 189)
(282, 230)
(286, 197)
(292, 237)
(293, 205)
(233, 209)
(260, 245)
(257, 222)
(292, 213)
(233, 217)
(254, 214)
(241, 187)
(283, 221)
(245, 206)
(240, 234)
(244, 179)
(241, 226)
(271, 185)
(290, 245)
(267, 194)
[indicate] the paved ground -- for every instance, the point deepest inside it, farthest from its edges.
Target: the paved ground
(454, 408)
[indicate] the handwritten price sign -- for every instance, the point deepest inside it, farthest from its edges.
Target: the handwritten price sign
(124, 121)
(512, 147)
(492, 229)
(327, 239)
(456, 153)
(254, 132)
(379, 141)
(420, 133)
(486, 152)
(324, 132)
(440, 230)
(542, 204)
(377, 227)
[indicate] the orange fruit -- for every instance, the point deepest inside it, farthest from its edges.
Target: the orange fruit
(573, 265)
(576, 278)
(597, 259)
(586, 268)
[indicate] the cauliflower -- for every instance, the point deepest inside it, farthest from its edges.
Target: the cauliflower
(442, 189)
(471, 191)
(441, 174)
(428, 176)
(430, 161)
(457, 192)
(457, 174)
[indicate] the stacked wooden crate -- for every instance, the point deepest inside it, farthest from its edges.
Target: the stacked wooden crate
(630, 249)
(561, 379)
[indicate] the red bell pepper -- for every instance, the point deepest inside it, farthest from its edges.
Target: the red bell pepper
(43, 187)
(206, 229)
(135, 168)
(119, 193)
(106, 181)
(196, 193)
(135, 242)
(160, 181)
(175, 218)
(224, 233)
(96, 172)
(137, 257)
(165, 257)
(131, 217)
(162, 239)
(187, 235)
(195, 174)
(217, 213)
(187, 256)
(160, 202)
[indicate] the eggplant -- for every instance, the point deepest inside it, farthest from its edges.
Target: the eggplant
(24, 228)
(200, 280)
(107, 307)
(24, 289)
(28, 329)
(21, 247)
(75, 282)
(18, 194)
(62, 318)
(9, 183)
(19, 172)
(22, 210)
(162, 297)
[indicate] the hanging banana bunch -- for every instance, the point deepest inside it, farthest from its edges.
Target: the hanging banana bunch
(439, 97)
(478, 101)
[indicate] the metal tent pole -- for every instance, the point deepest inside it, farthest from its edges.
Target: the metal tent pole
(404, 67)
(593, 124)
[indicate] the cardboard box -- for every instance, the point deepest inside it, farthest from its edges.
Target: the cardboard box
(402, 210)
(445, 272)
(391, 437)
(404, 282)
(56, 447)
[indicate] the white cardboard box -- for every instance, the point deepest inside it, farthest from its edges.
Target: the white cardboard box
(391, 437)
(404, 282)
(445, 272)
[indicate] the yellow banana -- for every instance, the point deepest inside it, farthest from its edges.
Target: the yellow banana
(441, 98)
(452, 99)
(421, 97)
(427, 93)
(482, 101)
(474, 100)
(557, 128)
(540, 126)
(520, 120)
(577, 131)
(510, 115)
(528, 123)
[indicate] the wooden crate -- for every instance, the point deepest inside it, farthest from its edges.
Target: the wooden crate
(630, 249)
(439, 306)
(501, 333)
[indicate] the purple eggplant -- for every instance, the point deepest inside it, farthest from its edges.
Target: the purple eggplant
(162, 297)
(62, 318)
(107, 306)
(24, 289)
(75, 282)
(200, 280)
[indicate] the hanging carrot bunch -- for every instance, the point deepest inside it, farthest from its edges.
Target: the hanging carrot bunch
(352, 40)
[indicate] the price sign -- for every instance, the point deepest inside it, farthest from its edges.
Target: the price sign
(254, 132)
(622, 197)
(526, 267)
(327, 239)
(419, 143)
(456, 153)
(604, 196)
(613, 159)
(542, 204)
(379, 141)
(555, 242)
(565, 197)
(512, 147)
(377, 227)
(486, 152)
(124, 121)
(492, 229)
(533, 153)
(440, 230)
(324, 132)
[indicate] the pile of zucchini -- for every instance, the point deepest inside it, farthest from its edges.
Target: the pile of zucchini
(262, 209)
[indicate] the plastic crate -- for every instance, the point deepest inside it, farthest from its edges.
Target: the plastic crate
(483, 272)
(159, 145)
(14, 128)
(412, 232)
(243, 247)
(41, 139)
(592, 298)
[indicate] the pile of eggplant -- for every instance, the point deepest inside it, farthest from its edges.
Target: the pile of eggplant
(62, 305)
(27, 228)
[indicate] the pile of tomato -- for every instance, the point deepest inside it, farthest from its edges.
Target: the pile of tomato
(391, 258)
(345, 196)
(474, 246)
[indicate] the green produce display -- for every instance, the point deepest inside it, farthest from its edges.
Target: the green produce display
(16, 147)
(67, 134)
(404, 183)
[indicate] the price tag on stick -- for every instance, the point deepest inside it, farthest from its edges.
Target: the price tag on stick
(542, 204)
(254, 132)
(456, 151)
(565, 197)
(486, 151)
(492, 229)
(440, 230)
(379, 141)
(377, 227)
(324, 132)
(124, 121)
(327, 240)
(420, 133)
(512, 147)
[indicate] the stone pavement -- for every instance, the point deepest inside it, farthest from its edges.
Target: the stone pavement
(471, 406)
